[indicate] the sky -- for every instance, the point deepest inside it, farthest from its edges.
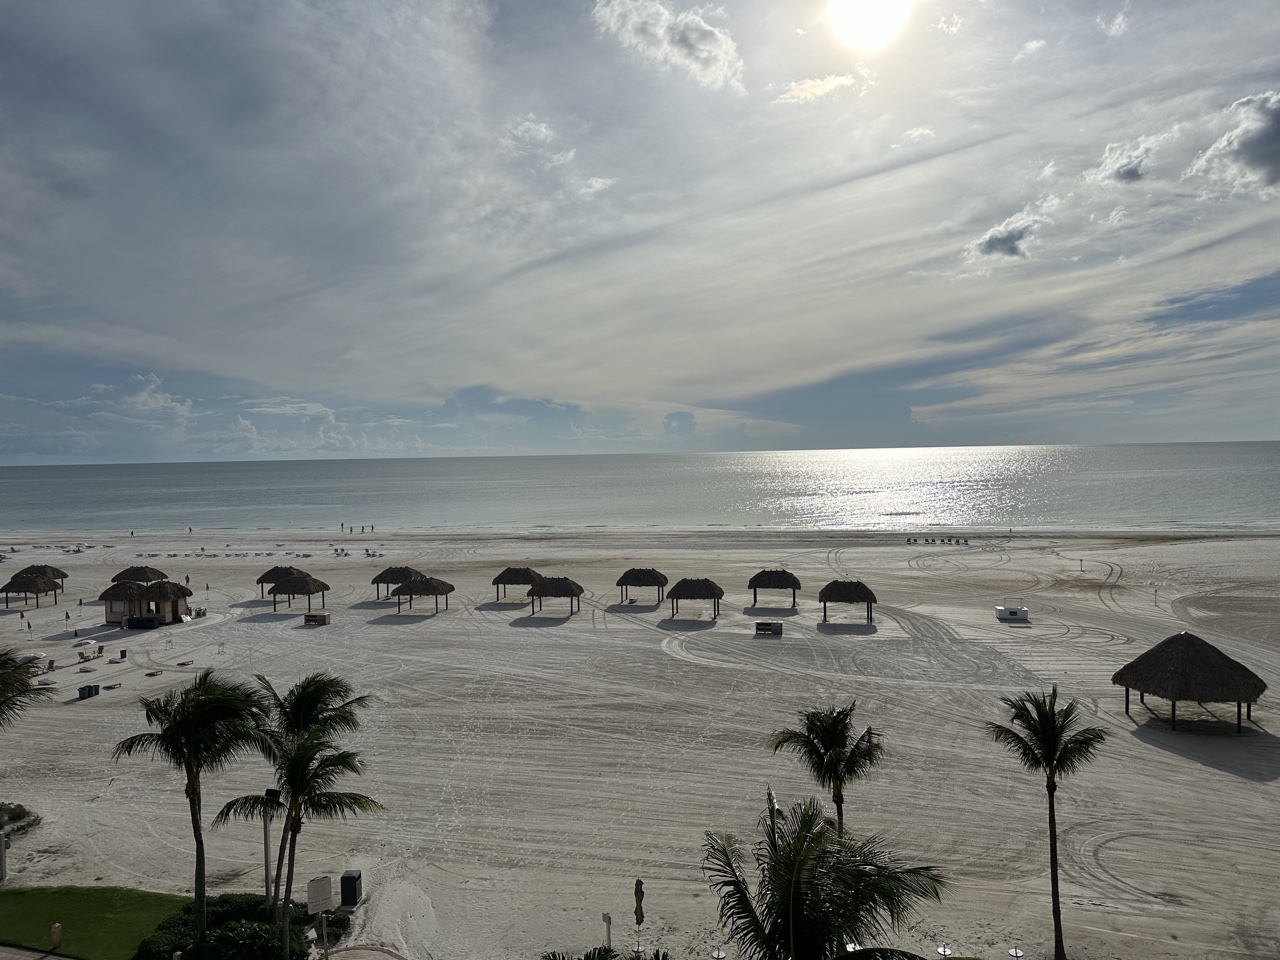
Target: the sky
(267, 229)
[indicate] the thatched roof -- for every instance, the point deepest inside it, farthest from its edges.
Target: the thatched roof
(846, 591)
(774, 580)
(695, 589)
(162, 591)
(43, 570)
(555, 587)
(122, 590)
(299, 585)
(642, 577)
(423, 586)
(1184, 667)
(276, 574)
(139, 575)
(516, 575)
(398, 575)
(31, 583)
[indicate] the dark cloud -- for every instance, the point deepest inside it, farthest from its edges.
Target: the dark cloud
(679, 423)
(1010, 238)
(1123, 162)
(1249, 153)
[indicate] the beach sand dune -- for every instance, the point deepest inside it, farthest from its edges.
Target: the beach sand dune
(534, 766)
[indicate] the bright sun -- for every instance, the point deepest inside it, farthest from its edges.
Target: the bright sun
(868, 25)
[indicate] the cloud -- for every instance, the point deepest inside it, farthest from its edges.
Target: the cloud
(685, 40)
(951, 26)
(596, 184)
(1248, 155)
(679, 423)
(1012, 237)
(1123, 162)
(803, 91)
(1029, 49)
(1115, 27)
(920, 133)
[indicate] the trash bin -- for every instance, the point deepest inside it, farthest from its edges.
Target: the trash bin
(97, 689)
(83, 692)
(124, 655)
(352, 888)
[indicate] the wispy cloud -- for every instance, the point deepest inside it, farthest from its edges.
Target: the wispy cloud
(685, 40)
(804, 91)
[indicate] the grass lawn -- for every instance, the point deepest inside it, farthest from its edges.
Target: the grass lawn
(98, 923)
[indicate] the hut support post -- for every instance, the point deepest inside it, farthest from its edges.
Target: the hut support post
(1238, 727)
(1174, 716)
(1248, 710)
(824, 611)
(793, 599)
(437, 604)
(1142, 696)
(1126, 701)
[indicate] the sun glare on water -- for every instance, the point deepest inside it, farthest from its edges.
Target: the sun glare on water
(868, 25)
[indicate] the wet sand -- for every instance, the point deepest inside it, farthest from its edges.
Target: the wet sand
(534, 766)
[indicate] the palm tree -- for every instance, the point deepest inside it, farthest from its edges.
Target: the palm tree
(1045, 738)
(17, 689)
(319, 705)
(818, 894)
(827, 747)
(199, 729)
(307, 769)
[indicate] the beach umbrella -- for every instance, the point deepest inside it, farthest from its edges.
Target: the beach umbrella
(773, 580)
(139, 575)
(640, 577)
(1184, 667)
(30, 585)
(423, 586)
(692, 588)
(555, 587)
(273, 576)
(514, 576)
(300, 584)
(394, 576)
(846, 591)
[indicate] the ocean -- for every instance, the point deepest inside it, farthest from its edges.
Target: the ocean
(1177, 487)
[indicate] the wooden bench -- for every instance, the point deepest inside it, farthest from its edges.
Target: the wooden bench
(316, 619)
(769, 627)
(186, 663)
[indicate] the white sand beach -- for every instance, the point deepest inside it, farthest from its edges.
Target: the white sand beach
(534, 766)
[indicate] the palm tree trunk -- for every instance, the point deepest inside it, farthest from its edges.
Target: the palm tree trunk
(288, 895)
(197, 831)
(837, 797)
(284, 844)
(1059, 950)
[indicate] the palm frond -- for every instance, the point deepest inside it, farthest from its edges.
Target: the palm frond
(253, 806)
(723, 859)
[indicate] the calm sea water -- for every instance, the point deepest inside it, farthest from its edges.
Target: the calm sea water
(1205, 486)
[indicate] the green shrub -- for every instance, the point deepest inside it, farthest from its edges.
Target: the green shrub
(238, 925)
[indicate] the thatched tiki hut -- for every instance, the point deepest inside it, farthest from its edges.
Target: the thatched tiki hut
(30, 585)
(640, 577)
(165, 600)
(300, 584)
(846, 591)
(555, 587)
(139, 575)
(120, 600)
(513, 577)
(44, 570)
(1184, 667)
(394, 577)
(773, 580)
(423, 586)
(696, 589)
(273, 576)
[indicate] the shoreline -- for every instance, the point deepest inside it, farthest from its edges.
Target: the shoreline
(534, 766)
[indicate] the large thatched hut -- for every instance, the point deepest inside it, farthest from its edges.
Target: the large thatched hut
(1184, 667)
(139, 575)
(514, 577)
(30, 585)
(773, 580)
(422, 586)
(846, 591)
(555, 587)
(394, 577)
(45, 570)
(301, 584)
(696, 589)
(640, 577)
(273, 576)
(120, 600)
